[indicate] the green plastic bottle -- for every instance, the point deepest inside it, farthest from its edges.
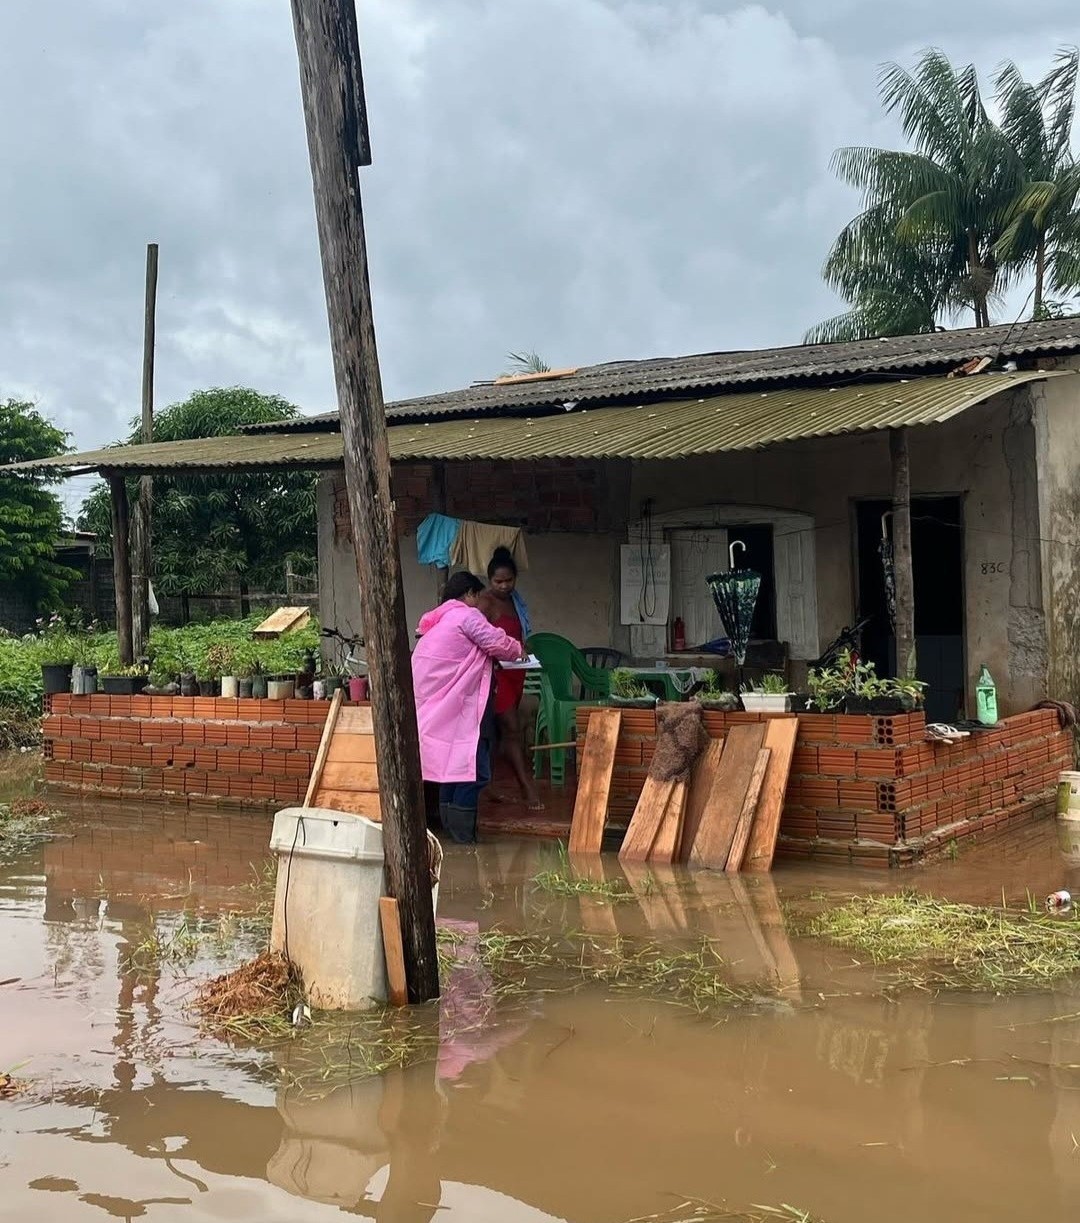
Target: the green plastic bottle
(986, 698)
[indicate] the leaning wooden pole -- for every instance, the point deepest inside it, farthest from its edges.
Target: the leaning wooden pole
(902, 569)
(140, 523)
(331, 85)
(121, 552)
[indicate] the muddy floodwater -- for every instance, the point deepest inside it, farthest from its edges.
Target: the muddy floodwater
(592, 1105)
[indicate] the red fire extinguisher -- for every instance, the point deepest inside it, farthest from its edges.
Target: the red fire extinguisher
(678, 635)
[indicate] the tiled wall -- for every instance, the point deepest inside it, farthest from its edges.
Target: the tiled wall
(182, 748)
(874, 791)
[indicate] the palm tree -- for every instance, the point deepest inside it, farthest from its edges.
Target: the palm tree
(526, 363)
(1043, 224)
(950, 196)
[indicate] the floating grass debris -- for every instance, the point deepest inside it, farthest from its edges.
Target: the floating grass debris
(959, 946)
(697, 1210)
(565, 879)
(162, 944)
(10, 1086)
(24, 823)
(257, 999)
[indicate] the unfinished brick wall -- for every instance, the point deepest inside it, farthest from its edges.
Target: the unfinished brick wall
(246, 752)
(550, 495)
(873, 791)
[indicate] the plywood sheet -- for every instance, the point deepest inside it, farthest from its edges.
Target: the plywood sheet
(594, 781)
(720, 817)
(780, 735)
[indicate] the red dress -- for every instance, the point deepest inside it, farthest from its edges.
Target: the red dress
(509, 685)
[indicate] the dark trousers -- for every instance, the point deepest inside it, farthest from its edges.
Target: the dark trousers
(459, 800)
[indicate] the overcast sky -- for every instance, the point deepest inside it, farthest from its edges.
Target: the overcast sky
(594, 179)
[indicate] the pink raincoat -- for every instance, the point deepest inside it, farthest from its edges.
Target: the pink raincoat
(452, 679)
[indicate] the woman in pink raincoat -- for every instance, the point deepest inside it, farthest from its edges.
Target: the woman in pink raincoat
(454, 684)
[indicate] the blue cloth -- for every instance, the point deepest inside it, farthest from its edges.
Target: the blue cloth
(435, 539)
(522, 615)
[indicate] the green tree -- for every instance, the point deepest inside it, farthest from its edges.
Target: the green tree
(947, 200)
(1042, 227)
(31, 517)
(209, 531)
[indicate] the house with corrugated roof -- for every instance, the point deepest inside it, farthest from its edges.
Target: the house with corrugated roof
(632, 480)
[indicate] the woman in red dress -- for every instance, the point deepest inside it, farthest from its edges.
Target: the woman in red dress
(510, 685)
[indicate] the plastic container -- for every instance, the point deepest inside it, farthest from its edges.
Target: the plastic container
(1068, 795)
(230, 686)
(330, 876)
(986, 709)
(281, 689)
(358, 688)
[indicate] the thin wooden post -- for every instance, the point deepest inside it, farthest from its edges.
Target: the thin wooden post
(334, 110)
(121, 551)
(438, 504)
(902, 569)
(140, 534)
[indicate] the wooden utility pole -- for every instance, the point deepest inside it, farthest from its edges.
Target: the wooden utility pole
(331, 85)
(121, 559)
(902, 570)
(140, 535)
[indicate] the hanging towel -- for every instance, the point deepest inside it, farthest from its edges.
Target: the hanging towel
(477, 541)
(435, 539)
(523, 615)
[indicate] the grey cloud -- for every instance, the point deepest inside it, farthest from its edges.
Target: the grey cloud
(591, 178)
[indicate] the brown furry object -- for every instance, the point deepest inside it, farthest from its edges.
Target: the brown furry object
(680, 740)
(1065, 712)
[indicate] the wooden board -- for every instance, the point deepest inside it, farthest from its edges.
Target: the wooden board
(284, 620)
(344, 777)
(645, 823)
(324, 748)
(701, 785)
(396, 988)
(594, 781)
(715, 833)
(666, 845)
(746, 816)
(780, 735)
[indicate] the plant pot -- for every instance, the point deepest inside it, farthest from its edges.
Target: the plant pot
(766, 702)
(189, 685)
(245, 688)
(885, 706)
(123, 685)
(259, 687)
(84, 681)
(281, 689)
(718, 706)
(333, 683)
(359, 688)
(56, 677)
(318, 690)
(800, 702)
(208, 687)
(635, 702)
(230, 686)
(305, 692)
(856, 704)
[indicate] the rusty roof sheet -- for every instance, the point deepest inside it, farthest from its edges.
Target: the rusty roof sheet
(671, 377)
(709, 425)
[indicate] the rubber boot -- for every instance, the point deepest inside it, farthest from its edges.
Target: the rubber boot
(459, 823)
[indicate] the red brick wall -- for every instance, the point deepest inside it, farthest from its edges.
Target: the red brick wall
(874, 791)
(547, 496)
(183, 748)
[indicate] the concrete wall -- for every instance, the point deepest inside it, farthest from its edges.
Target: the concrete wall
(1056, 406)
(988, 455)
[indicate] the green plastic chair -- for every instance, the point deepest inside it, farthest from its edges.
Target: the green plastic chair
(563, 666)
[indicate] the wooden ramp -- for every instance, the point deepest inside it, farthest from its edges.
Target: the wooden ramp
(344, 777)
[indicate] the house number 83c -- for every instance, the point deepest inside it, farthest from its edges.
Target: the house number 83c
(991, 567)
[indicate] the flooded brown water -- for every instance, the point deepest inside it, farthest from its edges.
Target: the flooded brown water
(592, 1107)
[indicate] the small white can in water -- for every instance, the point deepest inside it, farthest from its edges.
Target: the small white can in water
(1057, 901)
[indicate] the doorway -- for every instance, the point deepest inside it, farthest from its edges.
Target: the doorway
(937, 555)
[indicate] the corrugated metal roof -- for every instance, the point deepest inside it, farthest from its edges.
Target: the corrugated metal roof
(670, 377)
(652, 431)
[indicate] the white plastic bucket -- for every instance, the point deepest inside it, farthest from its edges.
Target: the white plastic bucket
(1068, 795)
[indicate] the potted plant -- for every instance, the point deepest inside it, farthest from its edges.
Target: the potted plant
(244, 663)
(84, 674)
(56, 651)
(828, 687)
(221, 666)
(713, 695)
(902, 695)
(770, 695)
(628, 691)
(259, 682)
(124, 681)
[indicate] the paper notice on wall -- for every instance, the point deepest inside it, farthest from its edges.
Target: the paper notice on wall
(645, 583)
